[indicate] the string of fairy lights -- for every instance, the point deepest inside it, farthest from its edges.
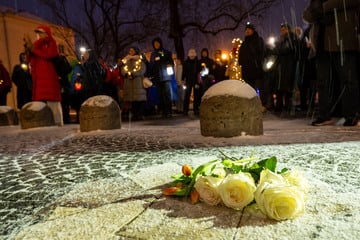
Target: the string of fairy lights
(135, 68)
(234, 69)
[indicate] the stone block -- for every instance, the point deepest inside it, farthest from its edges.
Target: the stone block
(8, 116)
(36, 114)
(231, 108)
(100, 113)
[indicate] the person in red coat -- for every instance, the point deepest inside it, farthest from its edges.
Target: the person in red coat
(46, 84)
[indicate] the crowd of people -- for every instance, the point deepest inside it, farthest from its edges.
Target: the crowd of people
(303, 70)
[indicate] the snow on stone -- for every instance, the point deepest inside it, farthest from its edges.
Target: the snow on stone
(231, 87)
(99, 101)
(35, 106)
(5, 109)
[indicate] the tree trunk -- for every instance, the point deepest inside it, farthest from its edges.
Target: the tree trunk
(176, 31)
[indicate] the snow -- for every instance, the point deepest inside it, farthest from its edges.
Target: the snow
(35, 106)
(99, 101)
(5, 109)
(131, 205)
(231, 87)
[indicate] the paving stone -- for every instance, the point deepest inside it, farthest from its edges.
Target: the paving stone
(130, 154)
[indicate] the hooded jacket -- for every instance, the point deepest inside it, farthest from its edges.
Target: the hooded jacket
(209, 63)
(46, 84)
(160, 60)
(22, 78)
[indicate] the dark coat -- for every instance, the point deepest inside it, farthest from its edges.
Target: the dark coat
(209, 63)
(251, 55)
(5, 83)
(94, 76)
(191, 70)
(160, 60)
(21, 77)
(287, 51)
(329, 29)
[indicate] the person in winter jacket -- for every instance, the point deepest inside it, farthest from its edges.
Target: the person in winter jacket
(251, 56)
(133, 71)
(161, 72)
(116, 81)
(77, 87)
(191, 71)
(286, 50)
(334, 37)
(5, 83)
(220, 67)
(207, 70)
(178, 67)
(94, 75)
(21, 77)
(46, 83)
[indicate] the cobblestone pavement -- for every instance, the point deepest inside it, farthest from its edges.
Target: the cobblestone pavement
(39, 165)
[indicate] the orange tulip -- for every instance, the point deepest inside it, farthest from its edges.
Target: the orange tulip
(170, 191)
(186, 170)
(194, 196)
(175, 191)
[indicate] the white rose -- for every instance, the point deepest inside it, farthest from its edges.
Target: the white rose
(278, 199)
(237, 190)
(270, 177)
(207, 187)
(219, 171)
(296, 178)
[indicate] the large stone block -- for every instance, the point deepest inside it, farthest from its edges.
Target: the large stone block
(231, 108)
(8, 116)
(36, 114)
(100, 112)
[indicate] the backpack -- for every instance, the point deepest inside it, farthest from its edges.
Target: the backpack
(62, 65)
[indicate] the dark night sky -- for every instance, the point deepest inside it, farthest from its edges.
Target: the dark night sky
(289, 11)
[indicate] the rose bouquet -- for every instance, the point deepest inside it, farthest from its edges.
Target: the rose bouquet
(237, 183)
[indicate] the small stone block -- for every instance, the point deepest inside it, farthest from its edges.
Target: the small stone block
(36, 114)
(8, 116)
(231, 108)
(100, 113)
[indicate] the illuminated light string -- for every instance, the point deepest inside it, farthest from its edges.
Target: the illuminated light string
(136, 68)
(234, 69)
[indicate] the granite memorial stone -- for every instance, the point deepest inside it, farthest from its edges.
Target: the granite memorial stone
(36, 114)
(8, 116)
(231, 108)
(100, 113)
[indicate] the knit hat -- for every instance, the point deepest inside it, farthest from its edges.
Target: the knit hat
(249, 25)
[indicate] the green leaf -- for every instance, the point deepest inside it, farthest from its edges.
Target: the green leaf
(269, 163)
(283, 170)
